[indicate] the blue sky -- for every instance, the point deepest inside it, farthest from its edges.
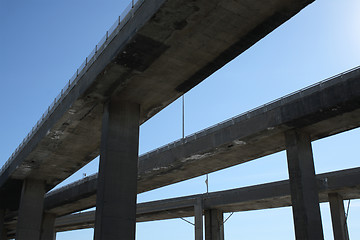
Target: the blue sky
(44, 42)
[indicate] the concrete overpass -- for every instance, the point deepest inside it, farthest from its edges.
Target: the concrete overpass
(321, 110)
(346, 183)
(132, 75)
(139, 61)
(324, 109)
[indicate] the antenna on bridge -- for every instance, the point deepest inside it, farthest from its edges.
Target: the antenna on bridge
(183, 116)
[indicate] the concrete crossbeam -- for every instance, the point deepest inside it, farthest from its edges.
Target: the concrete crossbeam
(31, 210)
(338, 217)
(304, 192)
(117, 185)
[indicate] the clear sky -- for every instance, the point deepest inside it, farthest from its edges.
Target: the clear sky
(43, 42)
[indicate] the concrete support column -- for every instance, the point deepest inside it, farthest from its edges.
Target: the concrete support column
(198, 210)
(303, 186)
(3, 235)
(338, 217)
(117, 180)
(214, 227)
(30, 210)
(48, 227)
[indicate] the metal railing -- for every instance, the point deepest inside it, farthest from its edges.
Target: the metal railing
(70, 185)
(262, 108)
(124, 17)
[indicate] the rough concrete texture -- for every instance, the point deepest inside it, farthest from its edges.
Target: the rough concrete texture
(118, 167)
(167, 48)
(31, 210)
(322, 110)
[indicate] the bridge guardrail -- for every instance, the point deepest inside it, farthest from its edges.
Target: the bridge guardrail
(265, 107)
(124, 17)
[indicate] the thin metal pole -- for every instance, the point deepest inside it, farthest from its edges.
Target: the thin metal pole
(207, 183)
(183, 116)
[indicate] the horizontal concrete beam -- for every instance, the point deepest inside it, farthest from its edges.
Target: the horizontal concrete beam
(264, 196)
(322, 110)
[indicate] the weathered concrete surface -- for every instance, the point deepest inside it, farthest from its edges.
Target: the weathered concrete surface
(118, 169)
(323, 110)
(167, 48)
(31, 210)
(264, 196)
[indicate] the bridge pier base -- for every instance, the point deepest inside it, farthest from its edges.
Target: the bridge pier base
(303, 186)
(117, 180)
(2, 225)
(214, 226)
(48, 227)
(198, 213)
(338, 217)
(30, 210)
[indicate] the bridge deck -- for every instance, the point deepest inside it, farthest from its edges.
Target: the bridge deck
(322, 110)
(163, 50)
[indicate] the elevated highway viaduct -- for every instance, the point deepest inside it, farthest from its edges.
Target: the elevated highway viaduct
(162, 49)
(324, 109)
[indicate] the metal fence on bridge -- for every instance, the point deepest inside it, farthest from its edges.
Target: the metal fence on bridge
(124, 17)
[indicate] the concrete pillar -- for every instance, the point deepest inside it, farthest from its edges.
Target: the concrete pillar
(304, 192)
(117, 180)
(198, 210)
(214, 227)
(30, 210)
(3, 235)
(48, 227)
(338, 217)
